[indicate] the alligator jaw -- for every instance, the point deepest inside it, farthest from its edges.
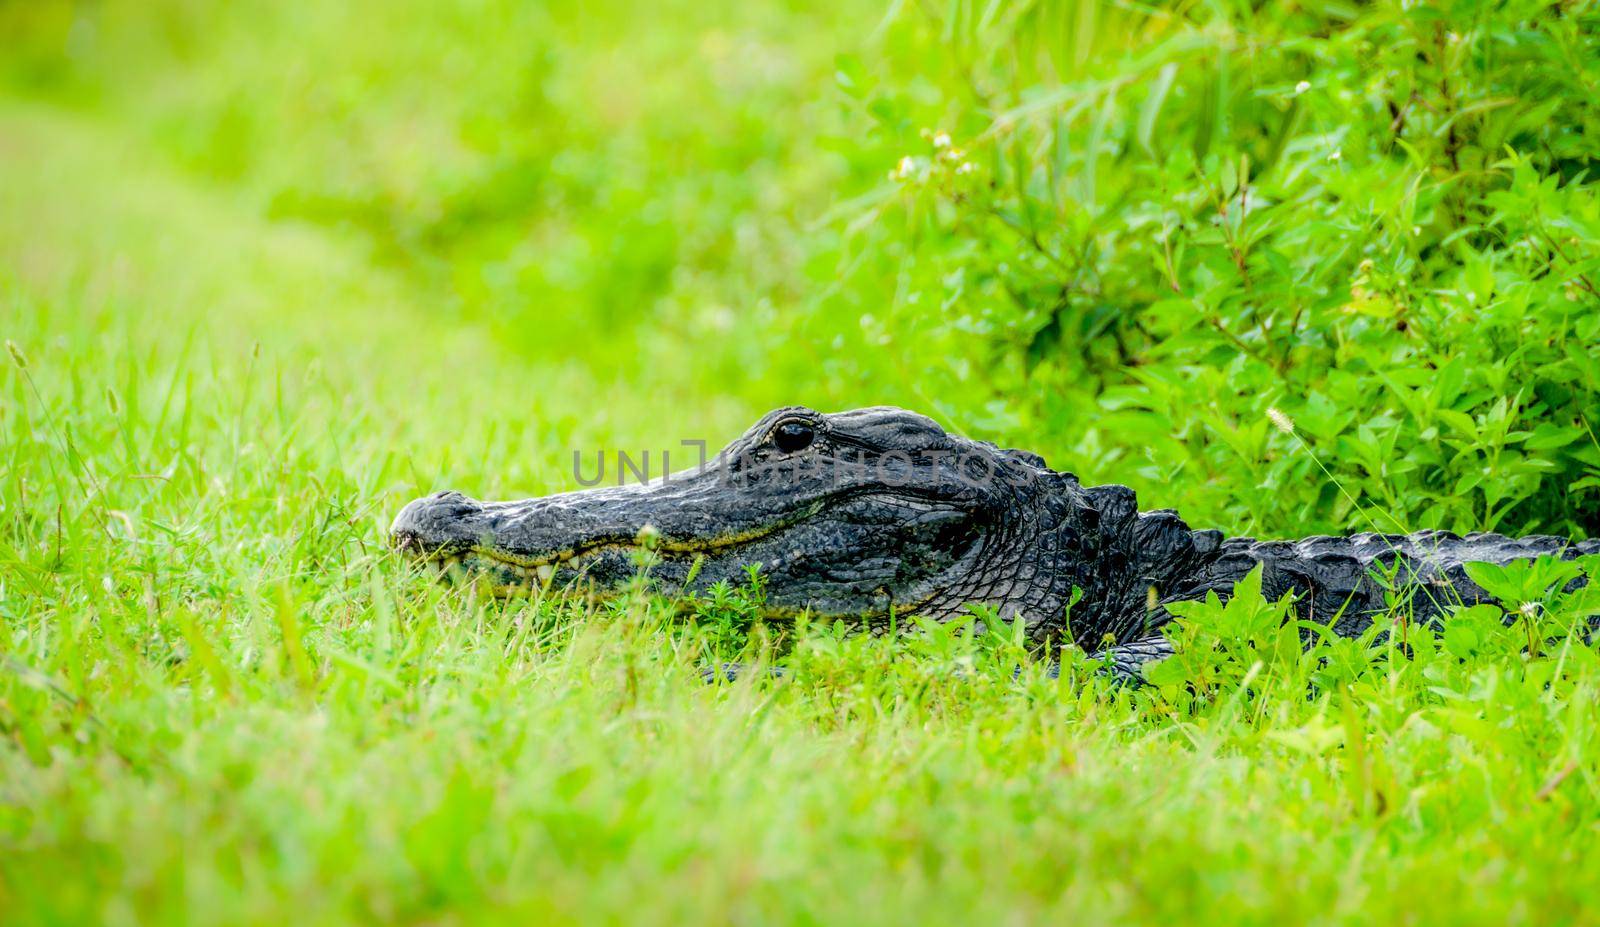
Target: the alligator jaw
(494, 575)
(507, 575)
(583, 539)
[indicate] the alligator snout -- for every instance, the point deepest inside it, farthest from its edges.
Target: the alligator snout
(436, 524)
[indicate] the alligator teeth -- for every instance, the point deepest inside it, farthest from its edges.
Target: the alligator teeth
(454, 567)
(449, 567)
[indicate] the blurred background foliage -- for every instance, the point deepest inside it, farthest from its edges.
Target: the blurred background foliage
(1116, 233)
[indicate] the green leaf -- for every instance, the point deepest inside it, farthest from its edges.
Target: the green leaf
(1151, 108)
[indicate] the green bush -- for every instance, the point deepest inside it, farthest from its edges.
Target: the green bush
(1130, 234)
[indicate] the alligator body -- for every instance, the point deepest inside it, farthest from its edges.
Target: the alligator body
(880, 515)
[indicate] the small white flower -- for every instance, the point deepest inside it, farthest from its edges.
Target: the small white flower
(1302, 87)
(966, 167)
(1416, 230)
(1335, 155)
(1529, 609)
(942, 140)
(905, 168)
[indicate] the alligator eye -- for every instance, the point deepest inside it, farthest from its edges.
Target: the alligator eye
(793, 436)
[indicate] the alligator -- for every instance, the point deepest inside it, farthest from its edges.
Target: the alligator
(880, 516)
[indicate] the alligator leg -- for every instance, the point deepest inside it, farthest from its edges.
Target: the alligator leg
(730, 672)
(1125, 662)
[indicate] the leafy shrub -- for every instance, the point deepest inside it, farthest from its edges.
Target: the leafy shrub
(1246, 646)
(1136, 231)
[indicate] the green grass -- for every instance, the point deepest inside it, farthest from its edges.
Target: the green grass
(222, 700)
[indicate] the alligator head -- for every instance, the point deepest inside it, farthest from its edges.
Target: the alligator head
(858, 515)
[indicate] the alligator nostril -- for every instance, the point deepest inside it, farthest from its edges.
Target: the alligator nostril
(404, 533)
